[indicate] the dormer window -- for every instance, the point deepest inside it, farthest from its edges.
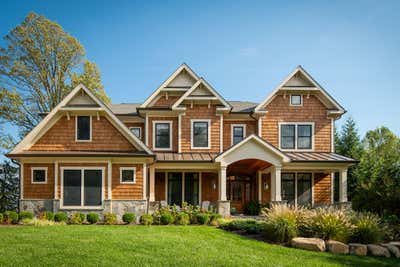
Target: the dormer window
(83, 128)
(296, 100)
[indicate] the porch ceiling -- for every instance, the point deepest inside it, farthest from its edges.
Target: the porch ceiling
(247, 167)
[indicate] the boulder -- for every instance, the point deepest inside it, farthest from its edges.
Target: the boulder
(395, 243)
(378, 251)
(337, 247)
(313, 244)
(395, 251)
(358, 249)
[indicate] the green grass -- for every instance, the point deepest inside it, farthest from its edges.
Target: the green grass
(77, 245)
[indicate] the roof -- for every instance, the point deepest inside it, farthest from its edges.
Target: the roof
(78, 154)
(322, 157)
(242, 106)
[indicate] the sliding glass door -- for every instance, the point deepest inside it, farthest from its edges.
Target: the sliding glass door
(82, 187)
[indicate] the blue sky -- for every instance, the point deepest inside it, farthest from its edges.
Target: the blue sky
(244, 49)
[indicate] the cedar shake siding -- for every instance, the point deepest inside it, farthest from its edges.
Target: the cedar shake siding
(250, 129)
(322, 188)
(164, 102)
(174, 129)
(279, 110)
(127, 191)
(200, 112)
(38, 191)
(61, 137)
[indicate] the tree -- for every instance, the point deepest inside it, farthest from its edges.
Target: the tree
(9, 187)
(348, 144)
(38, 68)
(378, 185)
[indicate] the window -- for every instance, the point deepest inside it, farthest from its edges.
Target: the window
(83, 128)
(238, 133)
(288, 187)
(39, 175)
(296, 136)
(82, 187)
(296, 100)
(127, 175)
(200, 134)
(136, 131)
(162, 137)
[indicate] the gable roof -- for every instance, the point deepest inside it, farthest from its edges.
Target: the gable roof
(74, 101)
(165, 85)
(211, 95)
(302, 82)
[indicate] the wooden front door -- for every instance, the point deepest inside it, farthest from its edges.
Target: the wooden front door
(239, 192)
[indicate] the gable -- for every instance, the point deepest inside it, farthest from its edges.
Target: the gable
(298, 80)
(81, 99)
(183, 79)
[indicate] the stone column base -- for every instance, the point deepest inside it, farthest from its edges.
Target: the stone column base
(224, 208)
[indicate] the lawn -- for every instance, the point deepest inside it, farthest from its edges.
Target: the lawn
(76, 245)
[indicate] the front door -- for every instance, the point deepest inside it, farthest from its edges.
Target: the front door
(239, 192)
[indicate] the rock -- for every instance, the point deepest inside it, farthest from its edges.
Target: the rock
(395, 243)
(358, 249)
(337, 247)
(395, 251)
(314, 244)
(378, 251)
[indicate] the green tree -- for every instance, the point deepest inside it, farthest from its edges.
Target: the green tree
(9, 187)
(37, 65)
(378, 185)
(348, 144)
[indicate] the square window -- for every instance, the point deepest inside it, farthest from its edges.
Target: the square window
(127, 175)
(296, 100)
(39, 175)
(83, 128)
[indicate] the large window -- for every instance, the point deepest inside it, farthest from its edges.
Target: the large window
(83, 128)
(183, 187)
(162, 135)
(288, 187)
(175, 188)
(192, 188)
(200, 134)
(238, 133)
(296, 136)
(304, 189)
(82, 187)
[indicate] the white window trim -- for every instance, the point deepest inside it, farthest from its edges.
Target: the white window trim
(301, 100)
(238, 125)
(208, 121)
(170, 136)
(295, 135)
(140, 131)
(76, 128)
(127, 169)
(39, 169)
(82, 206)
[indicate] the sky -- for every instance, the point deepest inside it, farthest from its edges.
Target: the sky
(244, 49)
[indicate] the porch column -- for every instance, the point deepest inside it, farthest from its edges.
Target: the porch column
(276, 183)
(259, 174)
(222, 183)
(343, 185)
(151, 183)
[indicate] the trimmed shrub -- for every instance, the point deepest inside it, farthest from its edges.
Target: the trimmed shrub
(25, 215)
(281, 223)
(331, 224)
(92, 217)
(146, 219)
(60, 217)
(203, 218)
(10, 217)
(252, 208)
(166, 218)
(367, 229)
(110, 218)
(129, 218)
(182, 219)
(48, 215)
(77, 218)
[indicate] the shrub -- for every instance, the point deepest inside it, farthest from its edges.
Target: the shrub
(25, 215)
(182, 219)
(166, 218)
(77, 218)
(41, 222)
(214, 218)
(203, 218)
(110, 218)
(129, 218)
(332, 224)
(281, 223)
(146, 219)
(10, 217)
(60, 217)
(1, 218)
(92, 217)
(367, 229)
(47, 215)
(252, 208)
(249, 226)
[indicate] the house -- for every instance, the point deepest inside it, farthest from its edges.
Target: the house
(185, 143)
